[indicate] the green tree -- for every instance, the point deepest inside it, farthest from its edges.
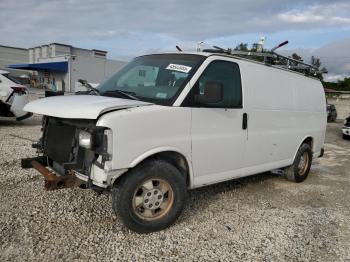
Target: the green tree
(316, 62)
(242, 47)
(254, 47)
(341, 85)
(344, 84)
(295, 56)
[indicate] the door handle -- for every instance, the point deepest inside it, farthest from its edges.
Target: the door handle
(245, 121)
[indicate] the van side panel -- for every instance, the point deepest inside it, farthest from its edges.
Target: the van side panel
(311, 112)
(283, 109)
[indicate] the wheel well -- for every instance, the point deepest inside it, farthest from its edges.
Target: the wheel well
(309, 141)
(174, 158)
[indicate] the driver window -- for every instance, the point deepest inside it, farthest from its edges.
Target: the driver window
(228, 75)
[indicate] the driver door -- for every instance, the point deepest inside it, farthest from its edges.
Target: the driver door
(218, 139)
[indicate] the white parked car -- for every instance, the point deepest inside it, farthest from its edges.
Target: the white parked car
(346, 128)
(167, 123)
(13, 97)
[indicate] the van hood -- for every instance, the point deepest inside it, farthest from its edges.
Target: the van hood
(79, 106)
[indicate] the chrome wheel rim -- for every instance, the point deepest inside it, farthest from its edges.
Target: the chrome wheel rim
(303, 163)
(153, 199)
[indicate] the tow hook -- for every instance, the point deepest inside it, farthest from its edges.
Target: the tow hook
(53, 182)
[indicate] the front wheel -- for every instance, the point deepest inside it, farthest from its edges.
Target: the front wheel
(300, 168)
(150, 197)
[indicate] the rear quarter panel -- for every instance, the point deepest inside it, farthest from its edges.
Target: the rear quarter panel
(284, 108)
(311, 111)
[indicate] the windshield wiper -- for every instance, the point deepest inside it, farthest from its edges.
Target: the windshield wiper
(122, 94)
(90, 87)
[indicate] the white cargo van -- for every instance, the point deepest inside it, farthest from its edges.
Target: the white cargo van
(171, 122)
(13, 97)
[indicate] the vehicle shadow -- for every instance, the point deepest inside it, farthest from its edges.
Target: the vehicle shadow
(12, 122)
(199, 199)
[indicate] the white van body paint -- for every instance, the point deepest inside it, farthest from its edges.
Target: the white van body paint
(284, 108)
(79, 106)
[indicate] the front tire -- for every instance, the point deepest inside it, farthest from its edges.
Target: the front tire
(300, 168)
(150, 197)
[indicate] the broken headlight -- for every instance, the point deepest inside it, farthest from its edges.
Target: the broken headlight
(85, 139)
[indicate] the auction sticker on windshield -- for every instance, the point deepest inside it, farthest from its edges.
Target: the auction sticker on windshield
(180, 68)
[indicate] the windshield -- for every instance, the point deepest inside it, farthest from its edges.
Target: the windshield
(154, 78)
(12, 79)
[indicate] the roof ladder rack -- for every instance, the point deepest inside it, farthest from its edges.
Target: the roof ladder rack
(271, 58)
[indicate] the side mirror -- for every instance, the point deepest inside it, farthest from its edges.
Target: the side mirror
(212, 93)
(82, 81)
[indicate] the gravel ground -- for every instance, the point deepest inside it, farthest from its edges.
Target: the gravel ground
(260, 218)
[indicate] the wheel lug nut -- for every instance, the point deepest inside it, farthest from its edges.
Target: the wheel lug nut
(159, 197)
(146, 200)
(155, 192)
(157, 203)
(149, 194)
(150, 205)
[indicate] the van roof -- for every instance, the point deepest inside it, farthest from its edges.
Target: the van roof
(207, 54)
(182, 52)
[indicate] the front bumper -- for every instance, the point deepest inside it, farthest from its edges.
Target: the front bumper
(64, 155)
(52, 181)
(98, 177)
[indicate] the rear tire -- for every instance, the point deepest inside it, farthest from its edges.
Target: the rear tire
(150, 197)
(300, 168)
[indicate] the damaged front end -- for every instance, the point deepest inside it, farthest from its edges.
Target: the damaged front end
(69, 150)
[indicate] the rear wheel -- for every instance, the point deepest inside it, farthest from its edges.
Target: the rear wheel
(300, 168)
(150, 197)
